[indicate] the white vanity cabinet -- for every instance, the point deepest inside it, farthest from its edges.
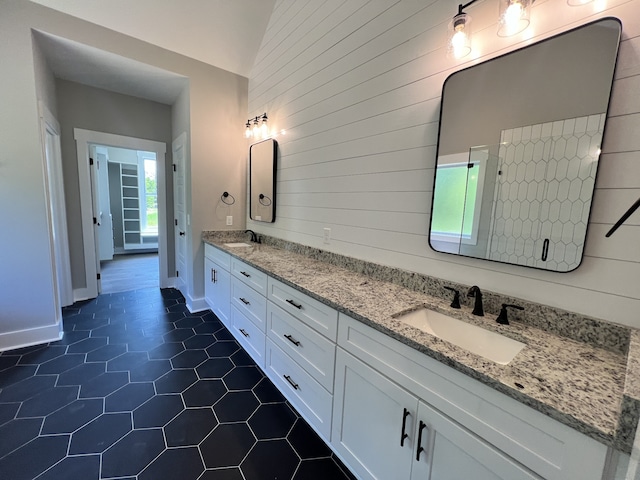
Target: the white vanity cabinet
(385, 389)
(217, 282)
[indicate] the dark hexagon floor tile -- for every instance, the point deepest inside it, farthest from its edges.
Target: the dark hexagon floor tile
(188, 322)
(131, 454)
(48, 401)
(8, 362)
(204, 393)
(127, 361)
(167, 317)
(236, 406)
(25, 350)
(199, 341)
(87, 345)
(144, 344)
(189, 359)
(242, 359)
(266, 392)
(223, 335)
(81, 374)
(166, 351)
(149, 371)
(27, 388)
(104, 384)
(208, 327)
(106, 353)
(306, 442)
(69, 338)
(35, 457)
(320, 469)
(273, 456)
(15, 374)
(8, 412)
(176, 381)
(74, 468)
(100, 434)
(175, 464)
(61, 364)
(18, 432)
(190, 427)
(158, 411)
(42, 355)
(223, 349)
(72, 416)
(129, 397)
(178, 335)
(243, 378)
(180, 307)
(89, 324)
(109, 330)
(237, 440)
(271, 421)
(214, 368)
(222, 474)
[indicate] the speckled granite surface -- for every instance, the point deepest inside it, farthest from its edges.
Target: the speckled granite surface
(591, 385)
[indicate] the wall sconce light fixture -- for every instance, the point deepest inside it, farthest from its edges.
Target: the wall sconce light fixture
(459, 44)
(257, 127)
(514, 16)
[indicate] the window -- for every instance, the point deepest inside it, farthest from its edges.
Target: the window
(149, 192)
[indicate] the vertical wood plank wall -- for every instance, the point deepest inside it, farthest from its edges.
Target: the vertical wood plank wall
(356, 85)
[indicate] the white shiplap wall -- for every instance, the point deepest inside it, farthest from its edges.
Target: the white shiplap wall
(356, 84)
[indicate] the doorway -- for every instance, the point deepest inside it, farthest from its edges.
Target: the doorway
(147, 232)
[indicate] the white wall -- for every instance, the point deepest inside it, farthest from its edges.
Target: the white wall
(357, 87)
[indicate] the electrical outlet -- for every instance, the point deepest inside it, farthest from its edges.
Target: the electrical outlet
(229, 219)
(327, 235)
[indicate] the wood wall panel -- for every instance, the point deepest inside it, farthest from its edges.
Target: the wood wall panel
(356, 84)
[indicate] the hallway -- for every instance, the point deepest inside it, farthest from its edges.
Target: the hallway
(130, 272)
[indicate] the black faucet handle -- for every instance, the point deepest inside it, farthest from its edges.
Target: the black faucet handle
(502, 317)
(455, 303)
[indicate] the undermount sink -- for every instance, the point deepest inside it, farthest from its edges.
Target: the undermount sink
(487, 344)
(237, 244)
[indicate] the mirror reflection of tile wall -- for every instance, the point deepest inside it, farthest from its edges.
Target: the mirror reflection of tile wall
(544, 190)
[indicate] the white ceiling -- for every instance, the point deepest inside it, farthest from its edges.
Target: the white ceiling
(223, 33)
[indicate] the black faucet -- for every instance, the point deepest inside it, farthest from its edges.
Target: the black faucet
(455, 303)
(502, 317)
(477, 307)
(254, 237)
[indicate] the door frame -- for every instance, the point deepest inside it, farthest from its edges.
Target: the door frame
(85, 138)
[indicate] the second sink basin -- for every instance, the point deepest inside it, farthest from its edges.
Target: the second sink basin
(487, 344)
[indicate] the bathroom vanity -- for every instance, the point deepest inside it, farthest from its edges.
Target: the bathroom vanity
(393, 401)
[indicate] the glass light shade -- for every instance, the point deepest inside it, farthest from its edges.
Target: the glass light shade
(256, 128)
(459, 43)
(247, 131)
(514, 16)
(264, 128)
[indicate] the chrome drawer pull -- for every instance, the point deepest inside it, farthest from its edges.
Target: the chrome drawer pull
(291, 302)
(243, 332)
(293, 384)
(246, 302)
(245, 274)
(292, 340)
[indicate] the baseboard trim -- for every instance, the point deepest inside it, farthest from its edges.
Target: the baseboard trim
(196, 305)
(31, 336)
(81, 294)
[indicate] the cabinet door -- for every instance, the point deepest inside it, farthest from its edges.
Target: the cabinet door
(451, 452)
(217, 290)
(369, 412)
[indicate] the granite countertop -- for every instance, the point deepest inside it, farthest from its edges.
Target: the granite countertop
(590, 389)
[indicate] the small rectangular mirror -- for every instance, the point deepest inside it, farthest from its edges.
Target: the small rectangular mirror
(518, 150)
(262, 181)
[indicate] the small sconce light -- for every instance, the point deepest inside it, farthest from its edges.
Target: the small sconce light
(459, 43)
(257, 127)
(514, 16)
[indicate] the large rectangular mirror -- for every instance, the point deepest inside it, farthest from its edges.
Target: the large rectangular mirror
(262, 181)
(518, 149)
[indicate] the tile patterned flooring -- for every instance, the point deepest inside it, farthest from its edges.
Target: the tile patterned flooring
(130, 272)
(141, 389)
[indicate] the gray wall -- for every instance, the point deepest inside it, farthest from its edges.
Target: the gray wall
(91, 108)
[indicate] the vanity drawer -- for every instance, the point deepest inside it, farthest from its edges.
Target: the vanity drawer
(313, 313)
(309, 397)
(249, 275)
(252, 304)
(216, 255)
(248, 335)
(308, 348)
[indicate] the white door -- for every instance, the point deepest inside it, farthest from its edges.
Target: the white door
(105, 224)
(95, 194)
(373, 421)
(179, 210)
